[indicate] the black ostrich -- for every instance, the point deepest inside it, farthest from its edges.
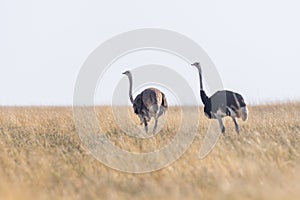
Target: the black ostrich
(222, 103)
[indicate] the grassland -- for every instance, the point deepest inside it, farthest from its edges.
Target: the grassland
(42, 157)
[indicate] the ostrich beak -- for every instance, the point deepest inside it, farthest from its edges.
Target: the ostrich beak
(123, 73)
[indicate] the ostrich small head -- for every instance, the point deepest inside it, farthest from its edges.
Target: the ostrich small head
(127, 73)
(196, 64)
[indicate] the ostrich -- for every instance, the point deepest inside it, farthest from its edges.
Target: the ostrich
(222, 103)
(150, 103)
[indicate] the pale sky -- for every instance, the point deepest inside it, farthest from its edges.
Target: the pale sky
(254, 45)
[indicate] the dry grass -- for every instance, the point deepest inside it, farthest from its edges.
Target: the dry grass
(41, 157)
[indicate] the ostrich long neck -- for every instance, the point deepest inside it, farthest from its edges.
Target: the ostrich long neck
(200, 79)
(130, 88)
(203, 95)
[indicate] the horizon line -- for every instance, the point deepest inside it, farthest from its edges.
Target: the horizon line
(273, 102)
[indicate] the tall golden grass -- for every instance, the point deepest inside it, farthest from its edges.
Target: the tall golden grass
(42, 157)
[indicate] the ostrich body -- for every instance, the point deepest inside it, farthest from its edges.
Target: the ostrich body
(223, 103)
(149, 103)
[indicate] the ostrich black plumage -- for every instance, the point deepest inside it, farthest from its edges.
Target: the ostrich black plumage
(222, 103)
(150, 103)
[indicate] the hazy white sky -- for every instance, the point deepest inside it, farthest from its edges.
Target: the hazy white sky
(255, 45)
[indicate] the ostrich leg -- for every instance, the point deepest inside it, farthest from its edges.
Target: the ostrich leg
(146, 125)
(220, 123)
(237, 128)
(155, 125)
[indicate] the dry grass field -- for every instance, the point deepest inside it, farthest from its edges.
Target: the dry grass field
(42, 157)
